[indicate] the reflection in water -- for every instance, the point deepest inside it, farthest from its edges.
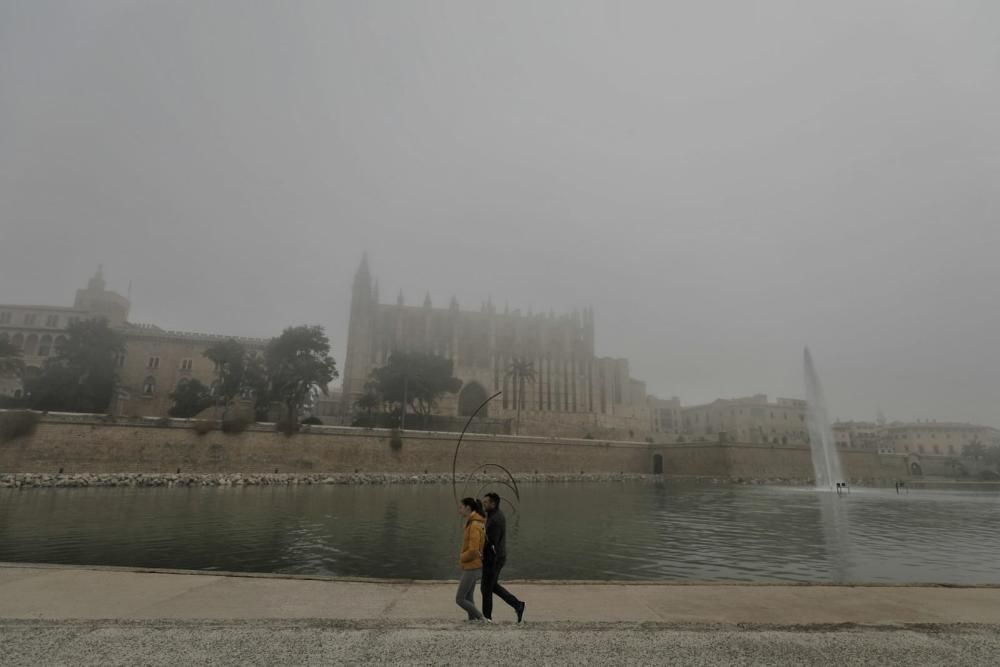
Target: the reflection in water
(652, 531)
(836, 534)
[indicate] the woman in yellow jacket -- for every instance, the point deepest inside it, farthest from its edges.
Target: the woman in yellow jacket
(471, 557)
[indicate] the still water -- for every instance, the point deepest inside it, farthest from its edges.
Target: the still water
(634, 530)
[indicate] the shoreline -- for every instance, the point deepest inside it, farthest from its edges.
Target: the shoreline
(36, 480)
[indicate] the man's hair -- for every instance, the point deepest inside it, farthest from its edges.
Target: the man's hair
(494, 498)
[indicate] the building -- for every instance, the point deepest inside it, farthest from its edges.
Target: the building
(935, 438)
(574, 391)
(665, 415)
(861, 435)
(925, 437)
(155, 360)
(750, 419)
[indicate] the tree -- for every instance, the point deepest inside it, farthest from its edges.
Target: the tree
(230, 357)
(974, 449)
(298, 366)
(81, 377)
(368, 401)
(521, 371)
(190, 398)
(11, 359)
(257, 384)
(416, 380)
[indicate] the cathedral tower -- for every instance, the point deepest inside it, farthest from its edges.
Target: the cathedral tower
(359, 335)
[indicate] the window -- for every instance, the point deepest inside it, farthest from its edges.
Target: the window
(186, 364)
(5, 318)
(29, 318)
(154, 362)
(52, 321)
(120, 360)
(920, 448)
(937, 450)
(149, 386)
(72, 320)
(45, 345)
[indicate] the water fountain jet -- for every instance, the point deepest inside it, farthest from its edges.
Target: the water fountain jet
(826, 460)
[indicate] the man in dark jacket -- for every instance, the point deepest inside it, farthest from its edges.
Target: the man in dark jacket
(494, 558)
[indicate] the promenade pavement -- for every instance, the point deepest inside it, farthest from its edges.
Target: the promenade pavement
(75, 615)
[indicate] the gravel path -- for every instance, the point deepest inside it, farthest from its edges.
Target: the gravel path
(308, 642)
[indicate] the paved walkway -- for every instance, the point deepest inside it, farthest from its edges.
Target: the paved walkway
(68, 615)
(56, 593)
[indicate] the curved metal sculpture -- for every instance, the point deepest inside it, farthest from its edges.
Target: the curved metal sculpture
(512, 486)
(454, 461)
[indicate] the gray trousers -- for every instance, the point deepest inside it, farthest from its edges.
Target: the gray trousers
(466, 590)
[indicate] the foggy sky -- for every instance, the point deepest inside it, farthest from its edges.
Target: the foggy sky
(724, 182)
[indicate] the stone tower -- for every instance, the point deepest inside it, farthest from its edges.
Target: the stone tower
(99, 301)
(357, 364)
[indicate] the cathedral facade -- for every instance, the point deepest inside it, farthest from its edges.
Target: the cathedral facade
(574, 392)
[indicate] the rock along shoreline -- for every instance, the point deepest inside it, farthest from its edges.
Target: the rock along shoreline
(87, 480)
(78, 480)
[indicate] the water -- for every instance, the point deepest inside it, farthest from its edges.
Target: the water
(826, 460)
(621, 531)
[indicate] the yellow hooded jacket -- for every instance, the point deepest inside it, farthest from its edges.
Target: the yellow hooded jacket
(473, 541)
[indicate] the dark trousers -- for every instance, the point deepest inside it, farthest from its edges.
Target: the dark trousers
(490, 584)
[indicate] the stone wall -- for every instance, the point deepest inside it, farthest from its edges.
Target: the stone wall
(738, 460)
(89, 444)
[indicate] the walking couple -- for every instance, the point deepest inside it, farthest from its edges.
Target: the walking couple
(484, 553)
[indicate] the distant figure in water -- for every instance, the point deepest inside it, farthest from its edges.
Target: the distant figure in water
(470, 559)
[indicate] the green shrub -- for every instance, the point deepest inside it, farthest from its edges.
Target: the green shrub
(235, 424)
(203, 426)
(17, 424)
(395, 440)
(313, 420)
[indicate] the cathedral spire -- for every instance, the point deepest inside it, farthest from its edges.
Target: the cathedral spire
(97, 282)
(363, 267)
(399, 297)
(427, 300)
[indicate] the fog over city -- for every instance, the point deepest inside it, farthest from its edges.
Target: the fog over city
(723, 182)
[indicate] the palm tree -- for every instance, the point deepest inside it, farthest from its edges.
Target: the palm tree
(10, 359)
(520, 370)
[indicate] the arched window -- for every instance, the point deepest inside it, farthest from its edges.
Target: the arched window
(30, 344)
(149, 386)
(470, 398)
(59, 342)
(45, 346)
(17, 341)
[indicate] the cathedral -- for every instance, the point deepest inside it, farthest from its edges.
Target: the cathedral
(574, 392)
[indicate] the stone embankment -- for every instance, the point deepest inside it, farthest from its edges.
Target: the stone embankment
(80, 480)
(39, 480)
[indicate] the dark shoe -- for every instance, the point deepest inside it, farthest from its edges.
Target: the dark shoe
(520, 611)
